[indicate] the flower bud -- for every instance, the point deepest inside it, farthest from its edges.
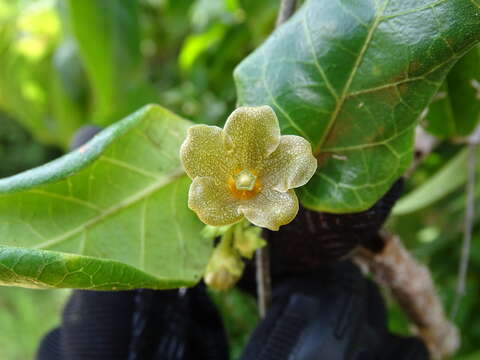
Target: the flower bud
(225, 266)
(248, 240)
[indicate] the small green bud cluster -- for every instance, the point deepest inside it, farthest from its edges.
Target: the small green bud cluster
(226, 265)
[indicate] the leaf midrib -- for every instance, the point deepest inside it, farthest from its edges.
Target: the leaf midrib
(112, 210)
(346, 88)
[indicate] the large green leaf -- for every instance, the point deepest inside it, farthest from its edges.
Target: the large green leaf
(444, 182)
(455, 110)
(110, 215)
(108, 37)
(353, 77)
(440, 119)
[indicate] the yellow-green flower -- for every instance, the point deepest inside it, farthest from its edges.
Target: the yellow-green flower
(246, 170)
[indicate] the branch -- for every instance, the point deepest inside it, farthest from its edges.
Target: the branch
(468, 222)
(424, 145)
(411, 285)
(262, 258)
(264, 285)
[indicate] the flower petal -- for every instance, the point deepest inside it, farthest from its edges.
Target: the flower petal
(271, 209)
(213, 202)
(203, 153)
(291, 165)
(254, 134)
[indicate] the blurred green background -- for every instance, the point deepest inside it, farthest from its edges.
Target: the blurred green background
(64, 64)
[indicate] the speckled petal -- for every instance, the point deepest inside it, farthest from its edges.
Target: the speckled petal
(213, 202)
(203, 153)
(254, 134)
(271, 209)
(291, 165)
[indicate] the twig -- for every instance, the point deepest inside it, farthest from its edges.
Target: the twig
(287, 8)
(262, 257)
(474, 138)
(264, 285)
(412, 287)
(467, 226)
(424, 145)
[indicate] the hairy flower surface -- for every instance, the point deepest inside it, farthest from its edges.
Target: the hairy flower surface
(246, 170)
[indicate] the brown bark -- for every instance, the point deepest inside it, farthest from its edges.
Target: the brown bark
(411, 285)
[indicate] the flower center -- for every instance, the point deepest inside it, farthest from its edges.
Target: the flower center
(245, 180)
(244, 184)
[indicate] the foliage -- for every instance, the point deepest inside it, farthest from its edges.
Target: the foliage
(455, 110)
(110, 199)
(448, 179)
(246, 170)
(335, 66)
(366, 82)
(18, 151)
(240, 316)
(25, 318)
(33, 73)
(434, 234)
(104, 185)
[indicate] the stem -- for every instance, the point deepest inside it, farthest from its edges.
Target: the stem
(262, 258)
(287, 8)
(411, 285)
(226, 241)
(264, 285)
(424, 145)
(467, 228)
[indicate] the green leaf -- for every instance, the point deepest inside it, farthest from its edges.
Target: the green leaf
(444, 182)
(456, 111)
(196, 44)
(239, 313)
(471, 356)
(111, 215)
(30, 90)
(353, 77)
(108, 37)
(25, 47)
(68, 90)
(440, 119)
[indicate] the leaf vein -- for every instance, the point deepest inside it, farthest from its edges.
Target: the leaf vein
(315, 58)
(143, 228)
(352, 14)
(346, 88)
(405, 81)
(269, 92)
(474, 2)
(369, 145)
(173, 204)
(130, 167)
(65, 198)
(133, 199)
(411, 11)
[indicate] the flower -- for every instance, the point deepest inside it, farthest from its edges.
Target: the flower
(246, 170)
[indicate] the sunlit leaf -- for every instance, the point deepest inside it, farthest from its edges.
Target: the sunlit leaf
(108, 37)
(111, 215)
(444, 182)
(196, 44)
(353, 77)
